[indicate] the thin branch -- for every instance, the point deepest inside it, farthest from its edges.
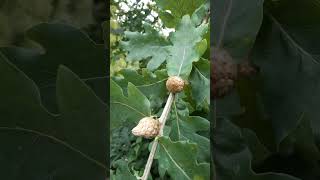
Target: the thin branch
(162, 120)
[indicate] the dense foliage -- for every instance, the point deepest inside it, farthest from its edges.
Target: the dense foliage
(268, 126)
(53, 112)
(184, 150)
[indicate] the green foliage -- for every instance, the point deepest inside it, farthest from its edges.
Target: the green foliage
(232, 156)
(200, 82)
(274, 112)
(127, 109)
(123, 171)
(152, 85)
(142, 92)
(60, 44)
(150, 44)
(179, 158)
(172, 11)
(184, 50)
(57, 144)
(236, 24)
(185, 127)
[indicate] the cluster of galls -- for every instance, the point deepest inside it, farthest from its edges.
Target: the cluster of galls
(224, 72)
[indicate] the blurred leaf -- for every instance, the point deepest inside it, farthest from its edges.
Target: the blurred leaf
(184, 50)
(228, 105)
(302, 141)
(254, 116)
(60, 45)
(54, 144)
(232, 156)
(258, 150)
(236, 24)
(290, 84)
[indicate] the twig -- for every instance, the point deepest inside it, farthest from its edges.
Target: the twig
(162, 121)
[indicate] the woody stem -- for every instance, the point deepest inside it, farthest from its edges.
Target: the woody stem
(162, 120)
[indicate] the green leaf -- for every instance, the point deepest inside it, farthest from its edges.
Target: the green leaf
(200, 14)
(127, 109)
(60, 45)
(254, 116)
(142, 46)
(75, 116)
(185, 127)
(152, 85)
(228, 105)
(258, 150)
(297, 88)
(302, 141)
(172, 11)
(232, 157)
(186, 49)
(168, 19)
(236, 24)
(180, 160)
(30, 134)
(200, 82)
(123, 171)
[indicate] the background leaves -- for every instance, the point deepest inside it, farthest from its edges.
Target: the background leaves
(277, 105)
(235, 25)
(56, 138)
(59, 44)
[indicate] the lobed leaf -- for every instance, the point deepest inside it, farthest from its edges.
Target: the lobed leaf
(172, 11)
(180, 54)
(127, 109)
(200, 82)
(187, 128)
(180, 160)
(148, 45)
(185, 49)
(236, 24)
(33, 138)
(59, 44)
(232, 158)
(152, 85)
